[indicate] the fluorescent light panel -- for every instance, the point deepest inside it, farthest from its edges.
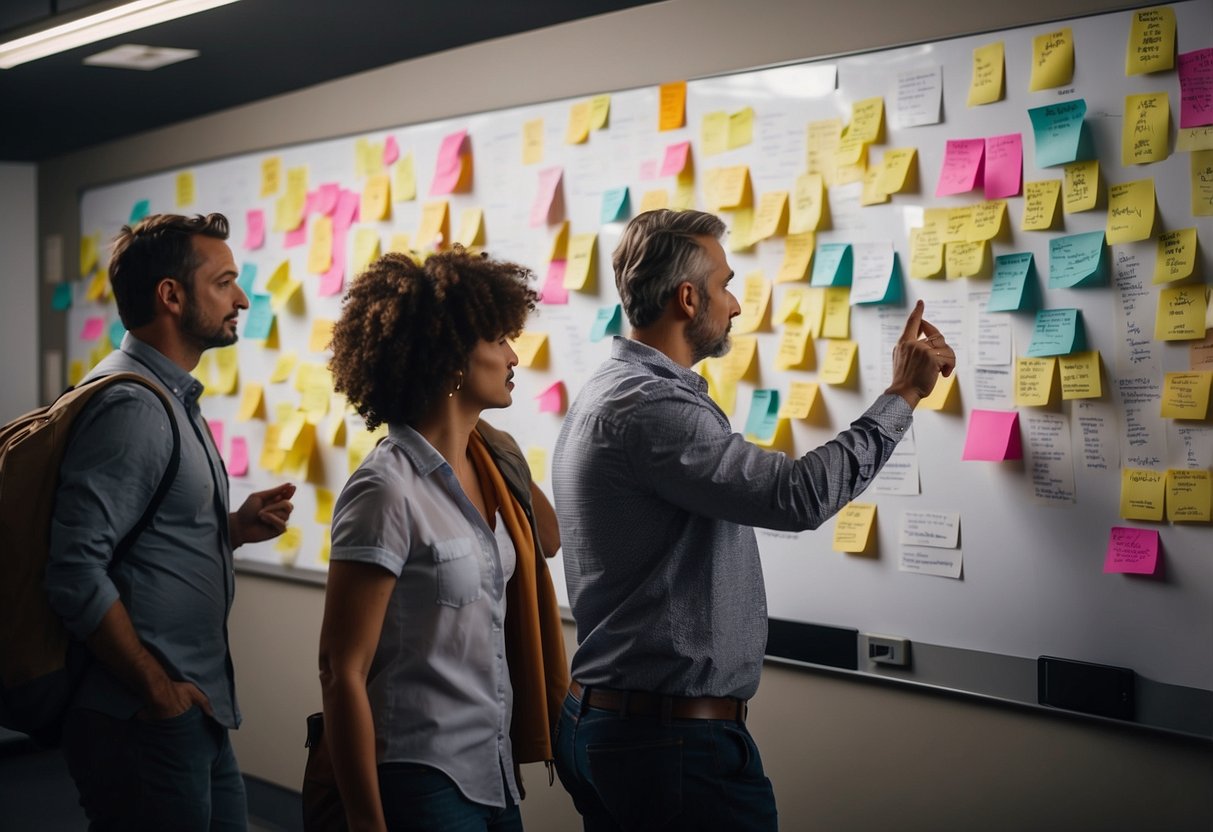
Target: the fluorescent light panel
(128, 17)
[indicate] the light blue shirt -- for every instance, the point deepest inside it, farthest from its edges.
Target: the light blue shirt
(439, 686)
(176, 582)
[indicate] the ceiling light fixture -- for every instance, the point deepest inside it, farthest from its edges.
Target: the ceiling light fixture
(119, 20)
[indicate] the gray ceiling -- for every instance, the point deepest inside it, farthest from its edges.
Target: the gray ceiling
(250, 50)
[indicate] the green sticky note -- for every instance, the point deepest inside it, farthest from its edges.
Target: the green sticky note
(1077, 260)
(1061, 135)
(607, 321)
(1012, 290)
(140, 210)
(764, 415)
(248, 273)
(61, 300)
(1057, 332)
(832, 265)
(260, 318)
(615, 205)
(116, 331)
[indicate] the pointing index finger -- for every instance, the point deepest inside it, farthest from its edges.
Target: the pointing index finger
(913, 324)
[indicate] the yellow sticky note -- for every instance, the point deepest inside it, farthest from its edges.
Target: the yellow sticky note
(366, 248)
(577, 131)
(287, 545)
(324, 506)
(721, 388)
(964, 259)
(1201, 173)
(940, 394)
(75, 372)
(320, 252)
(793, 349)
(98, 286)
(529, 346)
(1130, 211)
(986, 220)
(291, 430)
(986, 84)
(1080, 375)
(537, 461)
(362, 157)
(471, 228)
(683, 198)
(836, 315)
(871, 193)
(714, 133)
(732, 188)
(283, 367)
(435, 228)
(866, 118)
(823, 139)
(334, 435)
(600, 111)
(1040, 204)
(326, 546)
(839, 361)
(252, 402)
(755, 300)
(672, 106)
(1034, 381)
(895, 169)
(322, 334)
(1052, 60)
(958, 224)
(186, 191)
(926, 253)
(802, 395)
(1189, 495)
(741, 127)
(1189, 139)
(654, 200)
(295, 198)
(399, 243)
(271, 175)
(90, 246)
(736, 363)
(1080, 191)
(1181, 313)
(851, 153)
(1151, 44)
(404, 179)
(532, 141)
(771, 218)
(797, 253)
(1176, 257)
(1142, 493)
(1186, 395)
(580, 261)
(227, 367)
(1145, 132)
(315, 400)
(375, 198)
(853, 527)
(808, 197)
(280, 285)
(559, 249)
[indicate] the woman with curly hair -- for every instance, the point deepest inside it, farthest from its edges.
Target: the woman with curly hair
(441, 655)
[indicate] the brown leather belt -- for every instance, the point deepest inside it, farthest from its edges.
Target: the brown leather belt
(642, 703)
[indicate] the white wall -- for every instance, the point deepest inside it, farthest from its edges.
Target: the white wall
(19, 284)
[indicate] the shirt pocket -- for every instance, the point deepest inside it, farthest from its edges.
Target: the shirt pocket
(458, 571)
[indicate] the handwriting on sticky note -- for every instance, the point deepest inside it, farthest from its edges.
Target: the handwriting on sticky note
(1189, 495)
(1146, 126)
(1052, 60)
(986, 84)
(1142, 493)
(1151, 43)
(1196, 88)
(962, 166)
(1132, 551)
(853, 527)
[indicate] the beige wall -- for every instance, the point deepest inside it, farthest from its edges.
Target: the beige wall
(843, 754)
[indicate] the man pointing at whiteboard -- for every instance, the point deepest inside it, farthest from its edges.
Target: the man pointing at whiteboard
(657, 497)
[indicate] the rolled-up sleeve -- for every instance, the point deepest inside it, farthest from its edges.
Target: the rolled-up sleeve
(118, 452)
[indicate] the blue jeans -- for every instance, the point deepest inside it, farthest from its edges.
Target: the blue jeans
(134, 774)
(645, 773)
(418, 798)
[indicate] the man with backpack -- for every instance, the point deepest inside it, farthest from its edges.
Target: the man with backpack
(146, 738)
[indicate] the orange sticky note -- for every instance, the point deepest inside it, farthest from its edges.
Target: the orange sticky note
(673, 106)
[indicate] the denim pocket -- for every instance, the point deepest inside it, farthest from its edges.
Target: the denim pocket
(641, 782)
(458, 571)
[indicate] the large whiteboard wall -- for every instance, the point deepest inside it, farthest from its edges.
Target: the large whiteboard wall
(1032, 581)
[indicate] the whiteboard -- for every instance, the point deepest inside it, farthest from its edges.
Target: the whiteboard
(1032, 580)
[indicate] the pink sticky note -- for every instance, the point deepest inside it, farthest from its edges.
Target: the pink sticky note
(961, 169)
(1196, 88)
(333, 281)
(92, 329)
(553, 285)
(254, 237)
(1133, 551)
(545, 197)
(391, 150)
(346, 212)
(1003, 165)
(325, 198)
(993, 436)
(216, 426)
(648, 169)
(237, 466)
(675, 158)
(450, 164)
(551, 400)
(298, 237)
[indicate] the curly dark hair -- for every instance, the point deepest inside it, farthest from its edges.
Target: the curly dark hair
(406, 330)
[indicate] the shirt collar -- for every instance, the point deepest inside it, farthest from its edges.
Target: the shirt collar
(415, 446)
(655, 361)
(182, 385)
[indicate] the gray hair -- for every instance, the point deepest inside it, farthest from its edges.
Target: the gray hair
(657, 252)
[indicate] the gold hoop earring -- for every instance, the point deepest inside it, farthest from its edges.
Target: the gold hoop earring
(458, 386)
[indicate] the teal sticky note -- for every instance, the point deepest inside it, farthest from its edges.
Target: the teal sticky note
(1061, 136)
(140, 210)
(615, 205)
(260, 318)
(1012, 290)
(61, 300)
(1077, 260)
(893, 292)
(607, 321)
(116, 331)
(248, 274)
(764, 415)
(1057, 332)
(832, 265)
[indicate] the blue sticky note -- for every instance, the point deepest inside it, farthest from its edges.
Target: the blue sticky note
(140, 210)
(1057, 332)
(260, 318)
(607, 321)
(116, 331)
(1061, 135)
(615, 206)
(1012, 290)
(1077, 260)
(832, 265)
(248, 273)
(892, 288)
(764, 415)
(61, 300)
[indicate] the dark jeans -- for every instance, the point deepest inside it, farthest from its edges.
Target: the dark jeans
(419, 798)
(645, 773)
(135, 774)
